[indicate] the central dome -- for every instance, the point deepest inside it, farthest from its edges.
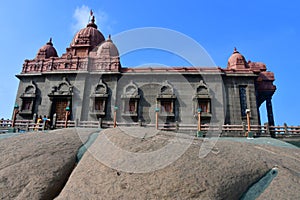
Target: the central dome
(89, 36)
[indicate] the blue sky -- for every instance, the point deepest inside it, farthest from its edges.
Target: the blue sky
(266, 31)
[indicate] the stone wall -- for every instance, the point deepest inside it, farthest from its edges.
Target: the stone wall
(223, 91)
(233, 108)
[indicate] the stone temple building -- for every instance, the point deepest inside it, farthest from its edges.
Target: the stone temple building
(90, 80)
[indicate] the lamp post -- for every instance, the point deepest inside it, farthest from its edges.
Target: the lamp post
(199, 118)
(16, 111)
(115, 116)
(156, 118)
(67, 115)
(248, 120)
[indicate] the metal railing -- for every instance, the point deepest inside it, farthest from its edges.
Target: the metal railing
(225, 130)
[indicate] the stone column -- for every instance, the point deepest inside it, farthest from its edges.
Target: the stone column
(50, 108)
(270, 111)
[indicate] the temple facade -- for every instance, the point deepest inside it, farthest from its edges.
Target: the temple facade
(89, 81)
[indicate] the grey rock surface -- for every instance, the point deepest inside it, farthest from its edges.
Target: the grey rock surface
(37, 165)
(228, 170)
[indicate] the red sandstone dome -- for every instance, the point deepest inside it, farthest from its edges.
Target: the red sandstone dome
(108, 48)
(47, 51)
(236, 61)
(89, 36)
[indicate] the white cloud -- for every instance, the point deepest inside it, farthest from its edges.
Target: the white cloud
(82, 16)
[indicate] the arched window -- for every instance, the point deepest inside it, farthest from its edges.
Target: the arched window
(99, 100)
(28, 100)
(166, 100)
(131, 98)
(202, 100)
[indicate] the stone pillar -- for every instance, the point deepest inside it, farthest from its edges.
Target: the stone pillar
(270, 111)
(76, 122)
(34, 118)
(50, 108)
(100, 122)
(267, 128)
(285, 128)
(244, 127)
(44, 125)
(54, 121)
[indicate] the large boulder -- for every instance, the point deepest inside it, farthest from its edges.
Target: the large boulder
(206, 169)
(37, 165)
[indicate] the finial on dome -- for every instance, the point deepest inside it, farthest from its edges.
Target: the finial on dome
(235, 50)
(109, 38)
(93, 19)
(50, 41)
(92, 23)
